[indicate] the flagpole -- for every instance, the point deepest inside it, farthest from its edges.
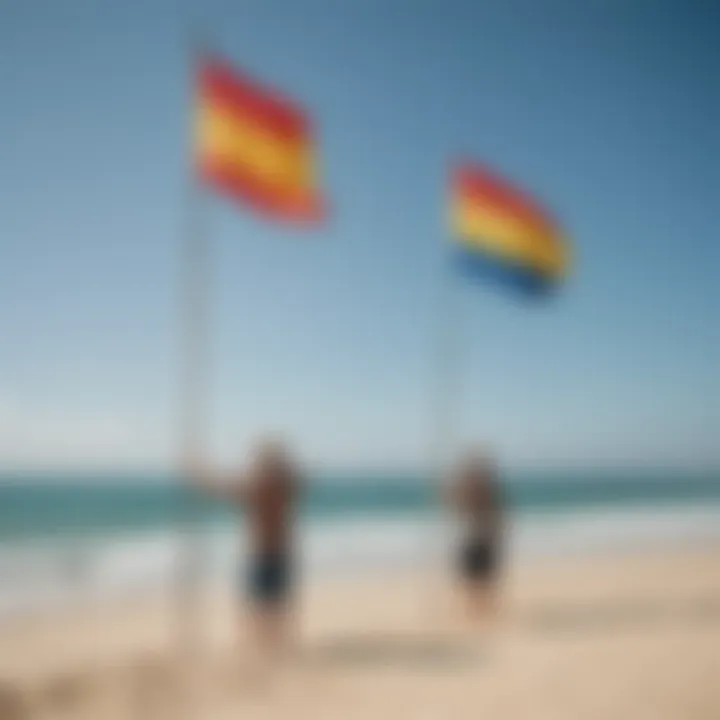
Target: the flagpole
(192, 396)
(445, 386)
(446, 376)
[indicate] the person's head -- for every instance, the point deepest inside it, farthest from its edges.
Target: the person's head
(479, 468)
(271, 458)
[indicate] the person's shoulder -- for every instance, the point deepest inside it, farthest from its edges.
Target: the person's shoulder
(453, 488)
(244, 486)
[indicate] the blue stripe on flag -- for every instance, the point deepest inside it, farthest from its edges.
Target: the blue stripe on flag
(519, 278)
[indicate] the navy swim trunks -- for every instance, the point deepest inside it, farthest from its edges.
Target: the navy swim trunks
(478, 560)
(269, 578)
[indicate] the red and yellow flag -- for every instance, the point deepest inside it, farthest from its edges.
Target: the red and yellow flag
(255, 146)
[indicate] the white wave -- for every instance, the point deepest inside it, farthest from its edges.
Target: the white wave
(35, 574)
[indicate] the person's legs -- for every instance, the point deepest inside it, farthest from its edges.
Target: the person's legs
(267, 629)
(479, 582)
(290, 625)
(270, 614)
(482, 599)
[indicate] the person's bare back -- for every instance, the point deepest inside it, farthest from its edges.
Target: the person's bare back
(270, 498)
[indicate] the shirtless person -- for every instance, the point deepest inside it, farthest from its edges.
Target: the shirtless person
(474, 497)
(268, 493)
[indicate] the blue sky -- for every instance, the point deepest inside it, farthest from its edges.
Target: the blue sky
(609, 110)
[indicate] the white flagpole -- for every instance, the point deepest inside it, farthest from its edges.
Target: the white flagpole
(445, 387)
(446, 368)
(193, 394)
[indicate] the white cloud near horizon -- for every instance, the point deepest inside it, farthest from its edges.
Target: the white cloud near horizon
(34, 436)
(51, 433)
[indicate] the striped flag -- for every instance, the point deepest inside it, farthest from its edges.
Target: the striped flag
(256, 146)
(501, 233)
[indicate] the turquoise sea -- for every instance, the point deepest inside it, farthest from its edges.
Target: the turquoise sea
(42, 504)
(70, 538)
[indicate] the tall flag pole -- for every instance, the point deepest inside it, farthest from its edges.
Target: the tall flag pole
(446, 371)
(444, 405)
(193, 391)
(255, 147)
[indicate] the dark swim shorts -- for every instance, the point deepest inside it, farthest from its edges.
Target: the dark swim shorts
(269, 578)
(478, 560)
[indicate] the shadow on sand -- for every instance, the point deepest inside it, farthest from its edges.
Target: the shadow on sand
(395, 650)
(613, 616)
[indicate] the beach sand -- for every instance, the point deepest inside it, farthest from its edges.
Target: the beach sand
(634, 637)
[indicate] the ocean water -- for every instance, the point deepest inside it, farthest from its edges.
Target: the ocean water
(72, 539)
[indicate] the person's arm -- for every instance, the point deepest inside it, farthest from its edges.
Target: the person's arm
(214, 484)
(451, 494)
(498, 509)
(295, 486)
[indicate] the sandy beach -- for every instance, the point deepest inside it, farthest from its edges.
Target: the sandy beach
(623, 637)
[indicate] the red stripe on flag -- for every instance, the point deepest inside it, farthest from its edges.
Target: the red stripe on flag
(279, 203)
(483, 187)
(222, 84)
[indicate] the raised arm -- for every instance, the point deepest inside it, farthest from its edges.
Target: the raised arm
(498, 507)
(214, 484)
(299, 484)
(451, 493)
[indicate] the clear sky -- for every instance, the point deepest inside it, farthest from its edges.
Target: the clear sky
(607, 109)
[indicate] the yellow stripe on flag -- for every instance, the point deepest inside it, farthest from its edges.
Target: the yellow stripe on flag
(507, 236)
(246, 145)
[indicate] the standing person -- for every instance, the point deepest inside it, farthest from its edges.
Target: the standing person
(475, 499)
(269, 493)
